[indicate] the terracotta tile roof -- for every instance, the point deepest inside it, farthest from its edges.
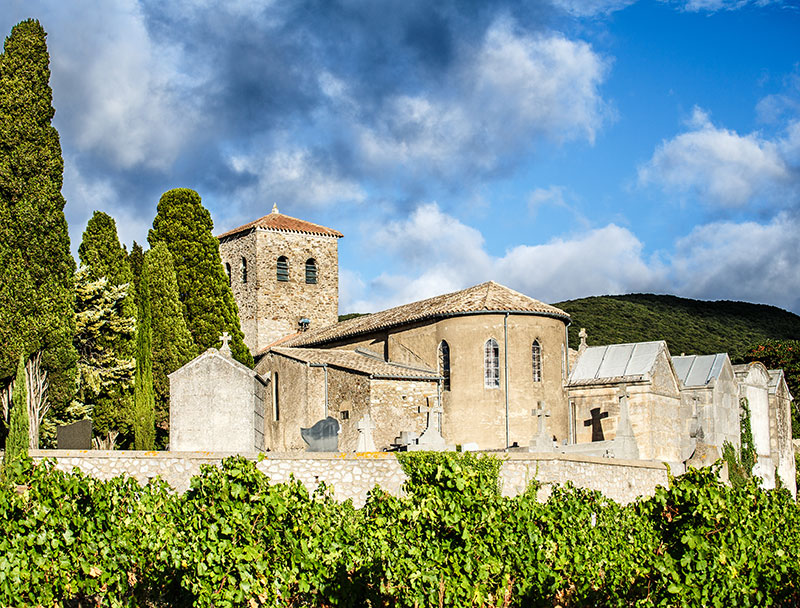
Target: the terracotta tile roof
(283, 223)
(487, 297)
(358, 361)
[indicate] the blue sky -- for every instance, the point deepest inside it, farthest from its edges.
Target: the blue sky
(565, 148)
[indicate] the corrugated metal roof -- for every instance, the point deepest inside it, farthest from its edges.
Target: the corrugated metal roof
(616, 362)
(357, 361)
(484, 298)
(698, 370)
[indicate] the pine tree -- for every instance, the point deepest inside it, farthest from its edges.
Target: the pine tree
(36, 268)
(18, 440)
(172, 343)
(104, 375)
(144, 430)
(184, 225)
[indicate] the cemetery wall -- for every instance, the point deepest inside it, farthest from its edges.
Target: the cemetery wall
(352, 475)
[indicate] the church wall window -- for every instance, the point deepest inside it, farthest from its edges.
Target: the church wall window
(244, 270)
(311, 271)
(536, 360)
(283, 268)
(276, 410)
(228, 272)
(444, 364)
(491, 364)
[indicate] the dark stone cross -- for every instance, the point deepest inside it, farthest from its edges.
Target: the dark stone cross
(597, 426)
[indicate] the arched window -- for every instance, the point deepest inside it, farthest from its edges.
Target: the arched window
(491, 364)
(444, 364)
(244, 270)
(283, 268)
(228, 272)
(536, 360)
(311, 271)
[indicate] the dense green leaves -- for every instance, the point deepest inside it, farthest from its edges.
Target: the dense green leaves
(18, 440)
(144, 425)
(452, 539)
(36, 267)
(172, 344)
(785, 355)
(691, 326)
(184, 225)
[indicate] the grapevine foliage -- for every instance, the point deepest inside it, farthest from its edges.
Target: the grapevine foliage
(451, 539)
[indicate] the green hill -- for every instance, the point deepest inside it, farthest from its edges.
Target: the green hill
(689, 326)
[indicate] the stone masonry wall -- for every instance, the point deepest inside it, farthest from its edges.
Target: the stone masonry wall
(351, 476)
(270, 309)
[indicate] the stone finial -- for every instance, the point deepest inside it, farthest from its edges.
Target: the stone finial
(225, 349)
(582, 335)
(274, 207)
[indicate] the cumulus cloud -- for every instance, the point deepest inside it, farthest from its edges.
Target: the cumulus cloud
(748, 261)
(718, 165)
(741, 261)
(712, 6)
(443, 254)
(293, 175)
(513, 88)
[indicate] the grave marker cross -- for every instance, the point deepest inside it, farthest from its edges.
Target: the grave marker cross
(541, 413)
(597, 426)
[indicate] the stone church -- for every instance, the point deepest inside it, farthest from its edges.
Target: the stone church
(482, 368)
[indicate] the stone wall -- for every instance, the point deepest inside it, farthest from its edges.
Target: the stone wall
(270, 309)
(351, 476)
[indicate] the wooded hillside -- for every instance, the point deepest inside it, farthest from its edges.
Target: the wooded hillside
(689, 326)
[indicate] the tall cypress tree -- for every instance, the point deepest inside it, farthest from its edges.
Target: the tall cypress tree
(144, 430)
(172, 343)
(184, 225)
(18, 440)
(36, 268)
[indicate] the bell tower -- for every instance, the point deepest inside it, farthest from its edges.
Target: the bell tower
(284, 274)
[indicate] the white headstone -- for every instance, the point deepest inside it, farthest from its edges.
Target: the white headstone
(365, 442)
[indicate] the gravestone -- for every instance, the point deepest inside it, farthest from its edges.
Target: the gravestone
(625, 445)
(596, 424)
(75, 436)
(431, 438)
(365, 442)
(405, 439)
(323, 436)
(543, 441)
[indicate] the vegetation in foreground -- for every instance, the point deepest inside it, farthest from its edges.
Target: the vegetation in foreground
(453, 540)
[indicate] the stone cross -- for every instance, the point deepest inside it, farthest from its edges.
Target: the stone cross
(597, 426)
(582, 335)
(365, 442)
(431, 438)
(225, 349)
(541, 413)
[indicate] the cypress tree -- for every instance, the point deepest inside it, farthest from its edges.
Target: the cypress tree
(36, 268)
(144, 430)
(184, 225)
(18, 440)
(172, 343)
(136, 261)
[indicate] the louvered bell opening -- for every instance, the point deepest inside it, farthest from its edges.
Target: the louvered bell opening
(283, 269)
(311, 272)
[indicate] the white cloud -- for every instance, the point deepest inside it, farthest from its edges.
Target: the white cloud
(292, 175)
(119, 94)
(718, 165)
(512, 88)
(712, 6)
(553, 195)
(442, 254)
(741, 261)
(722, 260)
(591, 8)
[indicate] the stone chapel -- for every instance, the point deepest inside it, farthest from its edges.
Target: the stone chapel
(485, 367)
